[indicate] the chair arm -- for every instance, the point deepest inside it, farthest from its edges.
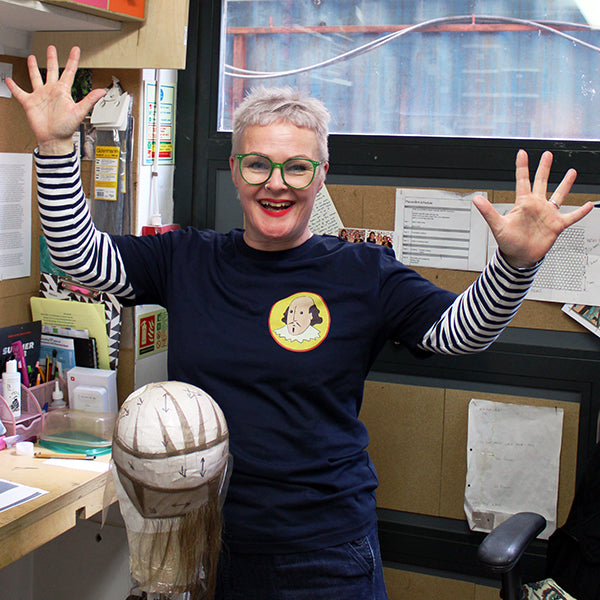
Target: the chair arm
(503, 547)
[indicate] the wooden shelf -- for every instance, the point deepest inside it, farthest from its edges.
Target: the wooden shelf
(160, 42)
(19, 19)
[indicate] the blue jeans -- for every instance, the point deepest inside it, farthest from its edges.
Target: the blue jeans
(351, 571)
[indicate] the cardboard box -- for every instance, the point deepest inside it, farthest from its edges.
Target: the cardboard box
(93, 390)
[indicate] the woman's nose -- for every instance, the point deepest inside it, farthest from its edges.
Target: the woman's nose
(276, 181)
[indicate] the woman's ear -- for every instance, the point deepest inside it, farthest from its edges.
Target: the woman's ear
(325, 166)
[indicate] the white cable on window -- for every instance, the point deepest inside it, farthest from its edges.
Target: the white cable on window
(549, 26)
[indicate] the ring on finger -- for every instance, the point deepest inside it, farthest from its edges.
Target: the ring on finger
(552, 201)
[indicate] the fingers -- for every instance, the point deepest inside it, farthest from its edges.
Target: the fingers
(70, 71)
(34, 72)
(523, 186)
(577, 214)
(35, 76)
(51, 65)
(15, 90)
(564, 187)
(540, 182)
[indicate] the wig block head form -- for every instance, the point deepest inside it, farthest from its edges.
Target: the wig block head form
(170, 452)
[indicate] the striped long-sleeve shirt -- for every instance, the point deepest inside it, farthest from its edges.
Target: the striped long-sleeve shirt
(470, 324)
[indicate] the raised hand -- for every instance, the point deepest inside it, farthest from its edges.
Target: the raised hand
(53, 115)
(529, 230)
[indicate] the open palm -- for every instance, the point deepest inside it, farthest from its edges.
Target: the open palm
(52, 114)
(528, 231)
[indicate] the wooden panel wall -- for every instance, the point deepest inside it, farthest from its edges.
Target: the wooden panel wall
(419, 446)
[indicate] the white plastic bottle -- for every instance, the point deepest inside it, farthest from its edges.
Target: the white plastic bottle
(11, 387)
(58, 400)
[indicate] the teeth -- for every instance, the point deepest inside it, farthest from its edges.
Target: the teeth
(275, 205)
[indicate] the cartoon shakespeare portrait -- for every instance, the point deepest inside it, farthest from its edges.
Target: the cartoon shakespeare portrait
(299, 322)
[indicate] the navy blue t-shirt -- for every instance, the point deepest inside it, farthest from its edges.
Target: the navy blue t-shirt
(283, 342)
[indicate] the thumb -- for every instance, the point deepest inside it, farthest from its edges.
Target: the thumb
(87, 103)
(488, 212)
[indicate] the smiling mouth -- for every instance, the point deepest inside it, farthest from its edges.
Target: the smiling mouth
(275, 206)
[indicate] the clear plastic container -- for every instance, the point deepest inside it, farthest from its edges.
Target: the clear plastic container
(78, 431)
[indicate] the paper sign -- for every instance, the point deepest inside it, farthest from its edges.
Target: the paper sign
(5, 71)
(440, 229)
(15, 215)
(513, 456)
(166, 127)
(106, 172)
(152, 332)
(570, 271)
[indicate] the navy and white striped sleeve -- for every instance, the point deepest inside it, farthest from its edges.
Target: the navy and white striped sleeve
(478, 315)
(75, 245)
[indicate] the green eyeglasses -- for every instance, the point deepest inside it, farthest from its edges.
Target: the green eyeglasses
(297, 173)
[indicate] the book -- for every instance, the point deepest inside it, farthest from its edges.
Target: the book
(54, 348)
(29, 334)
(86, 354)
(69, 351)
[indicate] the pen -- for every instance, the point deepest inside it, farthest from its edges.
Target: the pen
(40, 376)
(53, 364)
(50, 454)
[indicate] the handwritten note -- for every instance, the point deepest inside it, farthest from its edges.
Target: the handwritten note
(513, 456)
(324, 219)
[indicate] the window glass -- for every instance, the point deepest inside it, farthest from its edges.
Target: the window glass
(459, 68)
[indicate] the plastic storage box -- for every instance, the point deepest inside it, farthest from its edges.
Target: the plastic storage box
(78, 431)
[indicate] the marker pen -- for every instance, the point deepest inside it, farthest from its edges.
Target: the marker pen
(17, 350)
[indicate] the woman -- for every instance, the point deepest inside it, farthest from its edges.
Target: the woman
(300, 513)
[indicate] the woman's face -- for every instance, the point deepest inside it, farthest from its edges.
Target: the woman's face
(276, 216)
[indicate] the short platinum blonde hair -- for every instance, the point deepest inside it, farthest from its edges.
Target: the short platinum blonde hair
(264, 106)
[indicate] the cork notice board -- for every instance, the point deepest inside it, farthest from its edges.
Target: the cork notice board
(418, 443)
(374, 207)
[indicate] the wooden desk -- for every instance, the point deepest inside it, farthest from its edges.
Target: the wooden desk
(72, 494)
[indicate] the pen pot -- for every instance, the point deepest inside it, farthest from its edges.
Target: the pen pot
(30, 422)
